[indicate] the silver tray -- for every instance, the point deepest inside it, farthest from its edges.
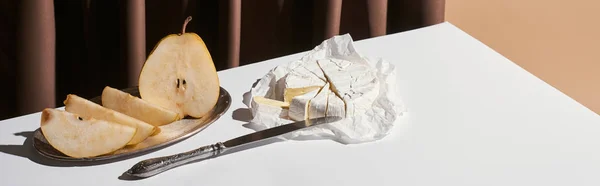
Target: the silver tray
(169, 134)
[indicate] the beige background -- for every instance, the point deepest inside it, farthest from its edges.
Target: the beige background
(556, 40)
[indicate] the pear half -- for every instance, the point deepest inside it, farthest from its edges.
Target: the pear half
(135, 107)
(88, 109)
(180, 75)
(80, 138)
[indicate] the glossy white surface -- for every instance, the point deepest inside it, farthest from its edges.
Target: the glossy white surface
(475, 118)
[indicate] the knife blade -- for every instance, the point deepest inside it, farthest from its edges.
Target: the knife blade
(154, 166)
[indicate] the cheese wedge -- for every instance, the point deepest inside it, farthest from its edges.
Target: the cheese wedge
(356, 84)
(329, 87)
(313, 67)
(290, 93)
(299, 105)
(317, 107)
(272, 102)
(335, 105)
(301, 76)
(270, 106)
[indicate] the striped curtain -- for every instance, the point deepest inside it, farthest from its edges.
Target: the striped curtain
(52, 48)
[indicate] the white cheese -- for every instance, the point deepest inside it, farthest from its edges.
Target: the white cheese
(347, 89)
(272, 102)
(365, 86)
(318, 105)
(314, 68)
(299, 105)
(290, 93)
(268, 107)
(335, 105)
(305, 75)
(356, 84)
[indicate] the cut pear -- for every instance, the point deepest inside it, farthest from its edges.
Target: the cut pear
(77, 137)
(135, 107)
(88, 109)
(180, 75)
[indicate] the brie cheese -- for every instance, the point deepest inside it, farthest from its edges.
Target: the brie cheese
(348, 88)
(356, 84)
(271, 102)
(268, 106)
(360, 89)
(290, 93)
(305, 75)
(335, 105)
(314, 68)
(317, 107)
(299, 106)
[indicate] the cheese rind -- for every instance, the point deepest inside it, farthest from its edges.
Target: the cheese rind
(347, 88)
(356, 84)
(299, 106)
(335, 105)
(373, 124)
(314, 68)
(318, 105)
(301, 76)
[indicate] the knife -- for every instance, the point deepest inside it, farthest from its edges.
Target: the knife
(154, 166)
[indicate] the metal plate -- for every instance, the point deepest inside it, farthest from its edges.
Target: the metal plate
(169, 134)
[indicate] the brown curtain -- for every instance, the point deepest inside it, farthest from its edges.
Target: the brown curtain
(52, 48)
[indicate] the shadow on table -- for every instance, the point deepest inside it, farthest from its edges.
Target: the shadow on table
(227, 152)
(26, 150)
(241, 114)
(245, 115)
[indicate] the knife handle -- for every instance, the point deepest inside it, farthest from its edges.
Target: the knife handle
(154, 166)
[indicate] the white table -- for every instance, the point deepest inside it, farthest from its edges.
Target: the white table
(475, 118)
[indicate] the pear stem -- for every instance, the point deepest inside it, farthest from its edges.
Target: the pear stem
(187, 20)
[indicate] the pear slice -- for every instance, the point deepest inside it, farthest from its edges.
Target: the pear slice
(80, 138)
(180, 75)
(137, 108)
(88, 109)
